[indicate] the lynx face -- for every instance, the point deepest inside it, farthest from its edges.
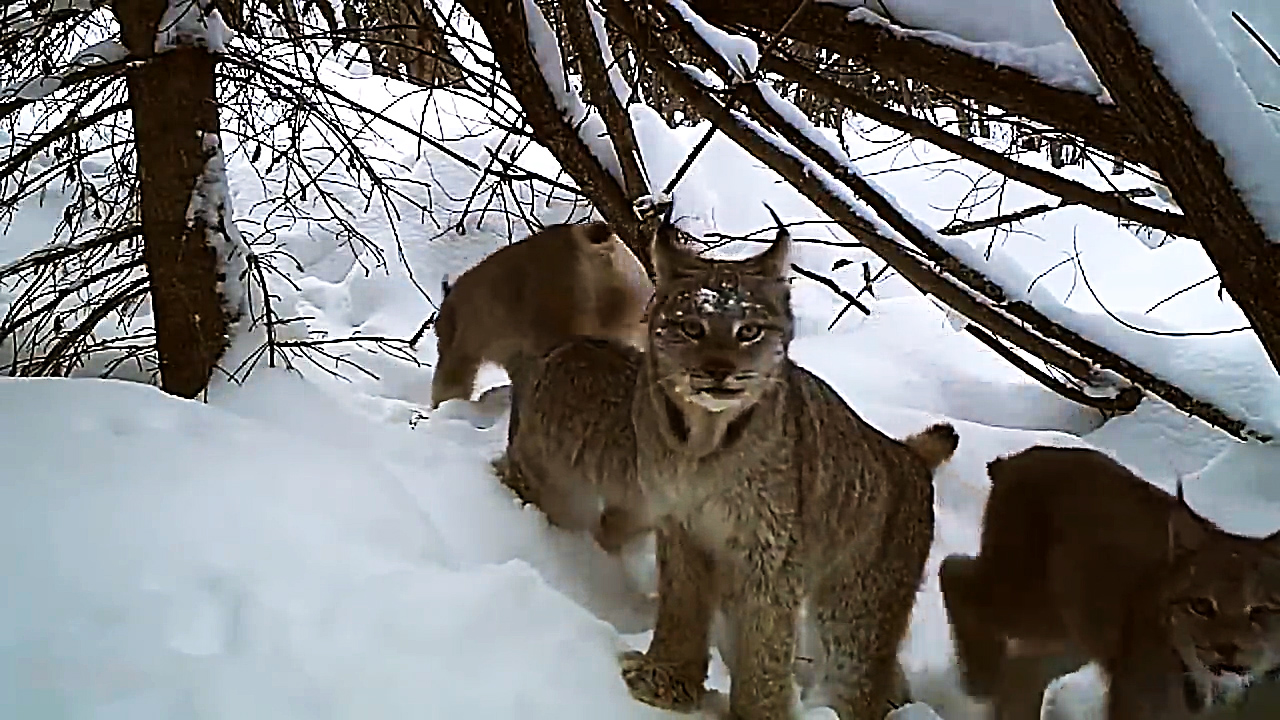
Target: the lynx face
(719, 329)
(1223, 598)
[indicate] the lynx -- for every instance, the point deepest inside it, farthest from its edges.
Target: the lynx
(1083, 560)
(765, 489)
(529, 296)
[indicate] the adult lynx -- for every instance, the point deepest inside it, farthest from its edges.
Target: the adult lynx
(765, 489)
(1083, 560)
(524, 299)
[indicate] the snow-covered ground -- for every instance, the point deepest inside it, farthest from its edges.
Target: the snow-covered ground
(310, 546)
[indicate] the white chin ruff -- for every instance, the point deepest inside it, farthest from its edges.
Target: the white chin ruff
(715, 404)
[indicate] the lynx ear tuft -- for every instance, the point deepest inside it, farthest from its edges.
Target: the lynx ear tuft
(773, 263)
(670, 260)
(1187, 530)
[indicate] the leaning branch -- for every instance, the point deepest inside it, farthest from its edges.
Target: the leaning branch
(1072, 192)
(1192, 168)
(892, 54)
(582, 33)
(507, 28)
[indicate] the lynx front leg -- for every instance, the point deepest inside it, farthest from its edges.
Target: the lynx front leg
(762, 660)
(454, 377)
(671, 674)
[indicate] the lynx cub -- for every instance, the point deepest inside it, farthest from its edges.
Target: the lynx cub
(529, 296)
(766, 490)
(1083, 560)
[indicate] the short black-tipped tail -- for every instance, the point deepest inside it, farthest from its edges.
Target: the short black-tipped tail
(935, 444)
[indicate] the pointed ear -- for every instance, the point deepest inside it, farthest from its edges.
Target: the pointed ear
(1187, 530)
(670, 260)
(773, 263)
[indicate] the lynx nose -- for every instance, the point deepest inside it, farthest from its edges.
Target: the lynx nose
(718, 374)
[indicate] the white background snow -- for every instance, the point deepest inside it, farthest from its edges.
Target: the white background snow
(305, 546)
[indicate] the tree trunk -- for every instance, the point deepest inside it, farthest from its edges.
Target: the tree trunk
(174, 106)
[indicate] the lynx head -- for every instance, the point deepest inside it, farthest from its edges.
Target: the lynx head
(719, 329)
(1222, 597)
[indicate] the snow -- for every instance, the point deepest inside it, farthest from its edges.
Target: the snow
(211, 203)
(192, 23)
(739, 53)
(1059, 63)
(304, 545)
(1203, 73)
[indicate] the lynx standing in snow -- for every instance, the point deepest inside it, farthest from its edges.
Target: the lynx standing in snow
(524, 299)
(766, 490)
(1083, 560)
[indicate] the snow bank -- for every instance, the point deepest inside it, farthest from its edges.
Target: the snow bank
(183, 560)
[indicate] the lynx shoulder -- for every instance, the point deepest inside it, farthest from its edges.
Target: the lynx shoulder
(526, 298)
(1080, 559)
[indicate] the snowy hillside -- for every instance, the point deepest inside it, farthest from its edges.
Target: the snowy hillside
(318, 544)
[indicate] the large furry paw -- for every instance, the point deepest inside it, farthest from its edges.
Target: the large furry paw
(665, 685)
(515, 481)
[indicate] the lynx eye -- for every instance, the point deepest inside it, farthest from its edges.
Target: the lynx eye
(748, 332)
(1204, 607)
(693, 329)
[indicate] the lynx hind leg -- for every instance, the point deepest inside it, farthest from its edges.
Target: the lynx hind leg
(980, 647)
(861, 620)
(1023, 681)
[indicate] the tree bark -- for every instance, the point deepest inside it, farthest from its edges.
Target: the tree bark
(949, 70)
(174, 106)
(504, 23)
(1247, 260)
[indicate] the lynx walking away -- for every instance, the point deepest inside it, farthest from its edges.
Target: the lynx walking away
(1082, 560)
(529, 296)
(766, 490)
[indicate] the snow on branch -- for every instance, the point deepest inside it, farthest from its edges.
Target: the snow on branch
(211, 205)
(1057, 336)
(192, 23)
(590, 127)
(1194, 61)
(1059, 64)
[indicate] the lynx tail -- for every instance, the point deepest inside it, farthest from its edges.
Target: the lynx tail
(935, 444)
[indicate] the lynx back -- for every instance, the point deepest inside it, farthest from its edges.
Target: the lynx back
(526, 298)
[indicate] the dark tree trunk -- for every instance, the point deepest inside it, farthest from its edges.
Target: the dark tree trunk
(174, 106)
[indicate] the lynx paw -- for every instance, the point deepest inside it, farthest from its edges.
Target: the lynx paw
(665, 685)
